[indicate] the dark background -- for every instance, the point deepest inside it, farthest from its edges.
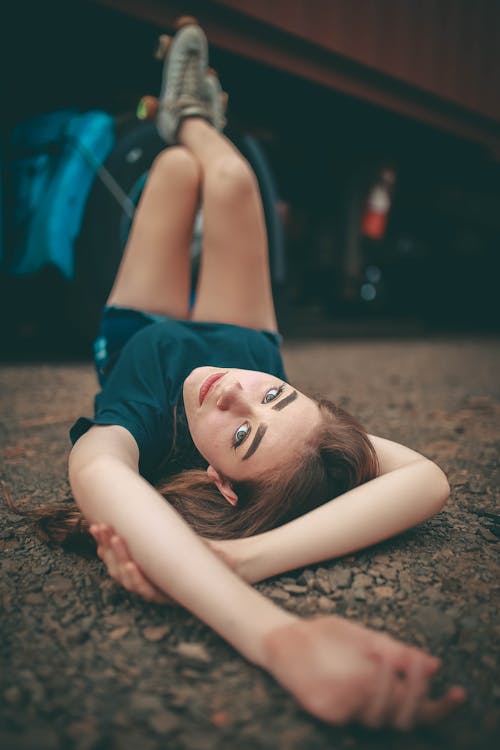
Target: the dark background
(440, 255)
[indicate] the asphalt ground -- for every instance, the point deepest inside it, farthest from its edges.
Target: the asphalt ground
(86, 666)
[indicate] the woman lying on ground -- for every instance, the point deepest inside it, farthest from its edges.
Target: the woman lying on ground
(203, 470)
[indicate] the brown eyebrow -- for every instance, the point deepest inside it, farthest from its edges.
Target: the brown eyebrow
(285, 401)
(261, 431)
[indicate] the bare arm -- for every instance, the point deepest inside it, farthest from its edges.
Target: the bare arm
(410, 489)
(108, 489)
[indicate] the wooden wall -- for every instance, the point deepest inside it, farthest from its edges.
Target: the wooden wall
(450, 48)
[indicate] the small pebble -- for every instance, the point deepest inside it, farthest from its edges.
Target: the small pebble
(279, 594)
(325, 604)
(195, 651)
(383, 591)
(34, 598)
(322, 585)
(118, 633)
(306, 577)
(362, 580)
(295, 589)
(340, 578)
(155, 634)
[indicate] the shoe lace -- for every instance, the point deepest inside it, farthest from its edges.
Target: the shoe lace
(190, 83)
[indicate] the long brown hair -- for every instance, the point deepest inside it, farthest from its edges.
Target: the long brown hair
(337, 457)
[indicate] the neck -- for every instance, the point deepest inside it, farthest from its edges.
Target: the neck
(183, 454)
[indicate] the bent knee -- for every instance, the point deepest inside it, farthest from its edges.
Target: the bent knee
(232, 178)
(177, 161)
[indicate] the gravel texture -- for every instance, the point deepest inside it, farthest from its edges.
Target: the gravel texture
(86, 666)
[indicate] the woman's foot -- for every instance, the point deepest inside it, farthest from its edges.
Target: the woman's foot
(184, 90)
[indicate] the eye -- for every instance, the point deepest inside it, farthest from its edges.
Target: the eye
(241, 434)
(273, 393)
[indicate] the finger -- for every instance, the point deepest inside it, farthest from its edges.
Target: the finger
(106, 534)
(123, 562)
(375, 714)
(143, 587)
(400, 653)
(104, 551)
(120, 550)
(126, 576)
(432, 712)
(96, 532)
(138, 584)
(416, 687)
(107, 555)
(390, 696)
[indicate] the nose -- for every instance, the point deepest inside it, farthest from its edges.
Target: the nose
(233, 397)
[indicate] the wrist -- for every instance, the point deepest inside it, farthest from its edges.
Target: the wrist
(249, 558)
(271, 624)
(250, 618)
(284, 643)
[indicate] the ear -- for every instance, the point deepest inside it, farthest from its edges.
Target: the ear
(223, 485)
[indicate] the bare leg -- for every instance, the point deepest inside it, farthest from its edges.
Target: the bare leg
(234, 284)
(155, 274)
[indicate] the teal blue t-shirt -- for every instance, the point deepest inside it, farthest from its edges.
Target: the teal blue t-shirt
(145, 384)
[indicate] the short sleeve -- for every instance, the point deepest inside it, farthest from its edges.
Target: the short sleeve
(135, 397)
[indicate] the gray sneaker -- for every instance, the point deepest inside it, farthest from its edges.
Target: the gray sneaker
(183, 92)
(217, 100)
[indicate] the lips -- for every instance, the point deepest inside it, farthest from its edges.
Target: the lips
(208, 384)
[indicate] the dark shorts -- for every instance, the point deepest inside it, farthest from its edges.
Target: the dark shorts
(117, 326)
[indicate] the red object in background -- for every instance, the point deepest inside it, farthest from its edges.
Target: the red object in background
(378, 205)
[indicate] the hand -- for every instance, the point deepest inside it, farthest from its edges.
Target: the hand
(343, 672)
(114, 553)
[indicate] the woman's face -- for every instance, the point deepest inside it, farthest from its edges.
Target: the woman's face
(245, 422)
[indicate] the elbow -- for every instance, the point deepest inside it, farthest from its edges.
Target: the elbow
(82, 471)
(76, 468)
(442, 489)
(77, 460)
(77, 483)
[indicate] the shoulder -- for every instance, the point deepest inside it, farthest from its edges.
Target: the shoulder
(104, 440)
